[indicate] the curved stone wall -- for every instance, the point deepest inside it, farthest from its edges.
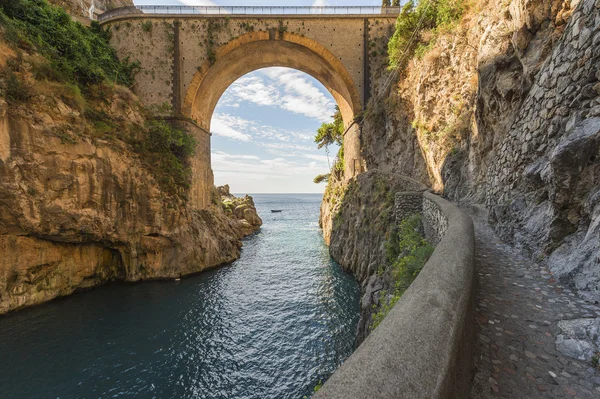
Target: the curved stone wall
(422, 349)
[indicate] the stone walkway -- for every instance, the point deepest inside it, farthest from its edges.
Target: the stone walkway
(518, 306)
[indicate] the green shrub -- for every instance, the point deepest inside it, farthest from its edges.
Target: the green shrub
(147, 26)
(15, 89)
(407, 252)
(76, 53)
(332, 133)
(415, 19)
(321, 178)
(165, 150)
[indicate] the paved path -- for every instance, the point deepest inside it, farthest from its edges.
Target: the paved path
(517, 307)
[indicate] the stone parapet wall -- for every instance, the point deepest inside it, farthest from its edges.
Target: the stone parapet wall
(422, 349)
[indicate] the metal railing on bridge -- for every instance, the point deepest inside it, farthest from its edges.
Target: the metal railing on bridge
(251, 10)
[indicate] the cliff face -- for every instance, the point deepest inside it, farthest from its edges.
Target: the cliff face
(75, 215)
(503, 110)
(358, 218)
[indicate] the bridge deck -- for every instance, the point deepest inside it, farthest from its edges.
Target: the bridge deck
(253, 11)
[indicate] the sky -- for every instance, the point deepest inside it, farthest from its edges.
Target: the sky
(264, 125)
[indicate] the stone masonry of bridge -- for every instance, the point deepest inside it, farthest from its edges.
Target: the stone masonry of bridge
(188, 61)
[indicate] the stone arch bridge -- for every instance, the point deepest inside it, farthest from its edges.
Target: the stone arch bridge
(188, 60)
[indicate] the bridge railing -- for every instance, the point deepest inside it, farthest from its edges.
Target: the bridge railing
(251, 10)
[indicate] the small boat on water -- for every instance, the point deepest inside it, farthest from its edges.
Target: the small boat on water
(276, 210)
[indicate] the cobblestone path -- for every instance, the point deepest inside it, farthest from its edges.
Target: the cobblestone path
(518, 306)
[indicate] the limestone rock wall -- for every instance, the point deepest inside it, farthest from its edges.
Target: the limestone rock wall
(361, 216)
(503, 110)
(543, 187)
(73, 216)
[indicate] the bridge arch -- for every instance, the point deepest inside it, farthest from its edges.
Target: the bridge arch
(190, 56)
(256, 50)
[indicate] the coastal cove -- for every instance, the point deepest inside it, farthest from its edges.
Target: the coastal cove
(271, 325)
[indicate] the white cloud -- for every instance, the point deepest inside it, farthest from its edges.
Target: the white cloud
(299, 95)
(223, 127)
(252, 167)
(288, 146)
(222, 124)
(253, 89)
(283, 88)
(233, 157)
(320, 158)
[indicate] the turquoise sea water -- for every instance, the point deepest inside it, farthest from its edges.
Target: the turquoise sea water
(271, 325)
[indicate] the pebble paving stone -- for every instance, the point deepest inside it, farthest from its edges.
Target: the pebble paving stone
(518, 305)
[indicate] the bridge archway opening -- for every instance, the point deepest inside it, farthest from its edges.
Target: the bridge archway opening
(263, 132)
(257, 50)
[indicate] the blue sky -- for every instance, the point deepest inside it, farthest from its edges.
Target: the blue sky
(264, 124)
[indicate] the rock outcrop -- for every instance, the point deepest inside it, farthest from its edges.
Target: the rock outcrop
(503, 110)
(359, 218)
(75, 214)
(241, 209)
(579, 338)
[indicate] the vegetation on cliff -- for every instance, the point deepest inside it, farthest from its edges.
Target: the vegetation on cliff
(166, 150)
(414, 20)
(57, 67)
(407, 252)
(74, 53)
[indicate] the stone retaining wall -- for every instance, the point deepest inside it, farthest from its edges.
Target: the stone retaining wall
(435, 222)
(407, 203)
(422, 349)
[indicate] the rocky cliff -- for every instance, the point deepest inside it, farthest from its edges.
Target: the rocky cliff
(77, 214)
(499, 109)
(360, 217)
(92, 188)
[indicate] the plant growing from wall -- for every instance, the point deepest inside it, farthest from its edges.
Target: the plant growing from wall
(247, 27)
(281, 28)
(147, 26)
(212, 31)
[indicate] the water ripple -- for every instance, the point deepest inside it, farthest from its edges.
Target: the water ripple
(271, 325)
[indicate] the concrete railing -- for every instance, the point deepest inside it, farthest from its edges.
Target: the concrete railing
(423, 348)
